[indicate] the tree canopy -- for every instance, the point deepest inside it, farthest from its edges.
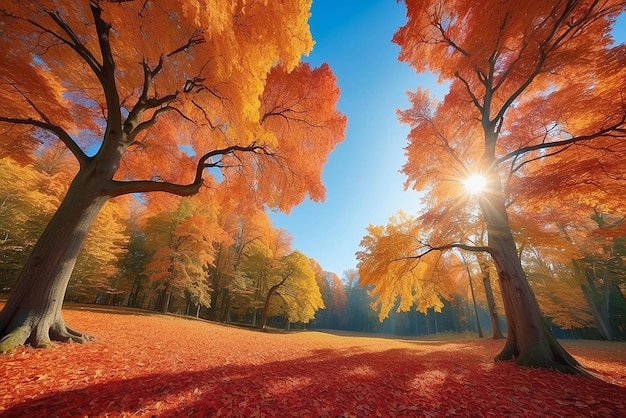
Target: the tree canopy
(150, 97)
(535, 106)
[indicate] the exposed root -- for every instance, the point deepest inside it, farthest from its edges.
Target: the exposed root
(508, 352)
(60, 332)
(14, 339)
(553, 356)
(39, 333)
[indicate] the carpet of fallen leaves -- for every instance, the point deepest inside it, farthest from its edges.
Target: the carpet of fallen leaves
(165, 366)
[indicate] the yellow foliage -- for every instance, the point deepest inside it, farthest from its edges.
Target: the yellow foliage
(401, 269)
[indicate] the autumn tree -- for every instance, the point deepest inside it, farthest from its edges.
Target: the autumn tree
(600, 274)
(359, 314)
(333, 296)
(535, 106)
(150, 97)
(226, 273)
(96, 264)
(180, 243)
(21, 198)
(291, 288)
(400, 274)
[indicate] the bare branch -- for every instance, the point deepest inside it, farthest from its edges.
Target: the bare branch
(195, 39)
(73, 42)
(469, 91)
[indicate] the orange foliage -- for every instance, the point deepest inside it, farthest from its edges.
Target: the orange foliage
(536, 105)
(211, 82)
(541, 89)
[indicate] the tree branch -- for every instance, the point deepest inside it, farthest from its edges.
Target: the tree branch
(202, 162)
(59, 132)
(429, 249)
(73, 43)
(107, 75)
(618, 127)
(470, 92)
(118, 188)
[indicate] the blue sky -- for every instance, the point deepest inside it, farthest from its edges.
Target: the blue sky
(362, 179)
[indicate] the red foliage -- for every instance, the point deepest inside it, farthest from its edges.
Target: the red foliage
(145, 365)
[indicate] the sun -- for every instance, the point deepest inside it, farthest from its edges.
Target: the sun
(475, 183)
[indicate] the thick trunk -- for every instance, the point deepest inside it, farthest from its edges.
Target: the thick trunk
(32, 313)
(529, 340)
(225, 307)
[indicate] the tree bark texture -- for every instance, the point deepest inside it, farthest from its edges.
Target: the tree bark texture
(32, 313)
(266, 305)
(529, 340)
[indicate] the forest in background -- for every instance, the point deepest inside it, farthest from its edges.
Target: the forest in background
(158, 255)
(223, 108)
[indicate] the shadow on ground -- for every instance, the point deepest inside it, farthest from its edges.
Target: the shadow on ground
(338, 383)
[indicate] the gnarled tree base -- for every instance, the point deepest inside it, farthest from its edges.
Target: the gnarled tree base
(29, 328)
(553, 357)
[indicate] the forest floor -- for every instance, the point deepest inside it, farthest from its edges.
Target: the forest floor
(165, 366)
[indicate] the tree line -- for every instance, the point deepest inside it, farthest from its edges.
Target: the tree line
(212, 100)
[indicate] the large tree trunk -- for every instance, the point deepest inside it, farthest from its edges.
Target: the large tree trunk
(166, 296)
(33, 311)
(225, 307)
(529, 340)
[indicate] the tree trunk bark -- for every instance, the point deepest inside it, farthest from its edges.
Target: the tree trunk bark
(225, 307)
(529, 340)
(603, 327)
(32, 313)
(266, 305)
(164, 302)
(491, 305)
(471, 284)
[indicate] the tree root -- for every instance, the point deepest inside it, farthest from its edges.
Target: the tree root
(555, 358)
(39, 335)
(14, 339)
(65, 334)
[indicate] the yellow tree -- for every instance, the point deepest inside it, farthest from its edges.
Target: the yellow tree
(151, 97)
(181, 244)
(97, 261)
(535, 105)
(401, 270)
(24, 208)
(244, 229)
(291, 289)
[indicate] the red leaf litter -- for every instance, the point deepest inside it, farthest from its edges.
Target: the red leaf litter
(165, 366)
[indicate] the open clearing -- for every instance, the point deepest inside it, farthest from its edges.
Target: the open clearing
(165, 366)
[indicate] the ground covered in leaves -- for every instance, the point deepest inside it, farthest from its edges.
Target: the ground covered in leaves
(164, 366)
